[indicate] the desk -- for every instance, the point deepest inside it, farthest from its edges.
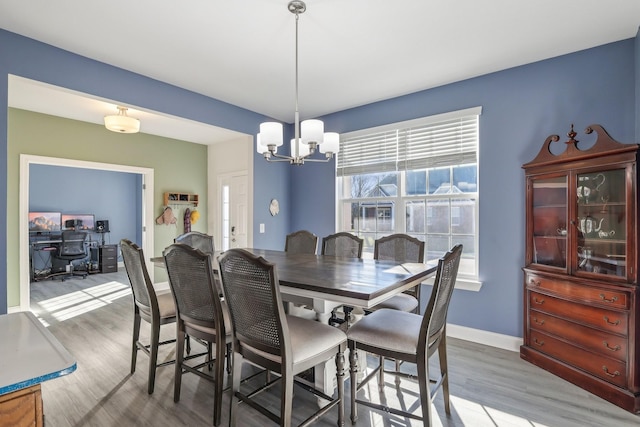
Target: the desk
(328, 282)
(30, 356)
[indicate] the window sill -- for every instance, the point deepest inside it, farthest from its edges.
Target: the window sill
(463, 283)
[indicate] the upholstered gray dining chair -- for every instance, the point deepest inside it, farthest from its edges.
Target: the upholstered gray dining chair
(265, 336)
(401, 248)
(199, 314)
(342, 244)
(408, 337)
(197, 240)
(301, 242)
(156, 308)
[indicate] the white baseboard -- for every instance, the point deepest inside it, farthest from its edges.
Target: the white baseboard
(505, 342)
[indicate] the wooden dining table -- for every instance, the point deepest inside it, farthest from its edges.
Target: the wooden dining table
(325, 282)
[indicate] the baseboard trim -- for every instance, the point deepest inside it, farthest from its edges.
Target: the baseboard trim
(505, 342)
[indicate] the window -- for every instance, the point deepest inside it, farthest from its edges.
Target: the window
(418, 177)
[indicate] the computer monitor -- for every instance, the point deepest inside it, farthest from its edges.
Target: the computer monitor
(83, 222)
(44, 222)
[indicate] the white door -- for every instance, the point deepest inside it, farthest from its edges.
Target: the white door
(234, 204)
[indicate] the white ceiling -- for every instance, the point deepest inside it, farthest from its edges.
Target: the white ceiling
(352, 52)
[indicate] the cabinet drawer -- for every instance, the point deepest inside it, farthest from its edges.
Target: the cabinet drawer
(600, 318)
(111, 268)
(578, 292)
(108, 250)
(597, 341)
(608, 369)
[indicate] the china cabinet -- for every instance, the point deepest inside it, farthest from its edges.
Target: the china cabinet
(581, 310)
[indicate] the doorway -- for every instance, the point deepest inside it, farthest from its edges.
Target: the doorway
(233, 189)
(26, 161)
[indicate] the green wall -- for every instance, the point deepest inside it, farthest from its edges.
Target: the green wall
(178, 166)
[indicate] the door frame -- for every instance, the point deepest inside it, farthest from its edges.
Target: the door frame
(218, 204)
(26, 160)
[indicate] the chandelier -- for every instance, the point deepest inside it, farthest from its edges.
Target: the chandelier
(309, 135)
(121, 122)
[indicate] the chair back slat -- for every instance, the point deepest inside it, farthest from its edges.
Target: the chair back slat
(435, 316)
(301, 242)
(138, 275)
(193, 285)
(400, 248)
(197, 240)
(342, 244)
(252, 295)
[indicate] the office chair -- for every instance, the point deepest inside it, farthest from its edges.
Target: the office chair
(71, 248)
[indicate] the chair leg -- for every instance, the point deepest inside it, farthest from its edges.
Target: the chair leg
(353, 370)
(219, 373)
(153, 355)
(425, 391)
(286, 404)
(235, 388)
(210, 355)
(444, 371)
(340, 373)
(229, 358)
(177, 382)
(188, 339)
(136, 336)
(381, 373)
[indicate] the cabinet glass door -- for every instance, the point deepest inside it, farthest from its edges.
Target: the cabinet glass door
(550, 232)
(602, 222)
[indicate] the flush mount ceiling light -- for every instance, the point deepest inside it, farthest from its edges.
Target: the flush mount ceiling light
(121, 122)
(313, 136)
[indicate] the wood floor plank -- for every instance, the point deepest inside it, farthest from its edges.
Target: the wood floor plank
(92, 318)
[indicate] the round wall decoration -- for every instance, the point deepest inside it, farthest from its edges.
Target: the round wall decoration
(274, 207)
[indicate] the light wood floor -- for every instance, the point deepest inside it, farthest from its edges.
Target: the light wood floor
(92, 318)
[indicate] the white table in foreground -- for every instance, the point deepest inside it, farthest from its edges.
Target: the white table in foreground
(30, 355)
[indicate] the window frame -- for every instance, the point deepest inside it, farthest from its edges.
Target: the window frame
(401, 199)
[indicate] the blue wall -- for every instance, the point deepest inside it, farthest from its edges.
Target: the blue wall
(114, 196)
(520, 108)
(31, 59)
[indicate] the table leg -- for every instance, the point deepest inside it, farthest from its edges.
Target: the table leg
(325, 373)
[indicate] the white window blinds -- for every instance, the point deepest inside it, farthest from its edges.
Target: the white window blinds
(442, 140)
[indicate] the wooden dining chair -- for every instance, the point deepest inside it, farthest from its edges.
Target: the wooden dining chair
(197, 240)
(400, 248)
(301, 242)
(156, 308)
(199, 314)
(342, 244)
(265, 336)
(408, 337)
(345, 245)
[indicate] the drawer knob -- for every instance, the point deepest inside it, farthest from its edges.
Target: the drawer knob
(612, 375)
(538, 301)
(538, 322)
(616, 323)
(613, 299)
(534, 282)
(606, 344)
(538, 343)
